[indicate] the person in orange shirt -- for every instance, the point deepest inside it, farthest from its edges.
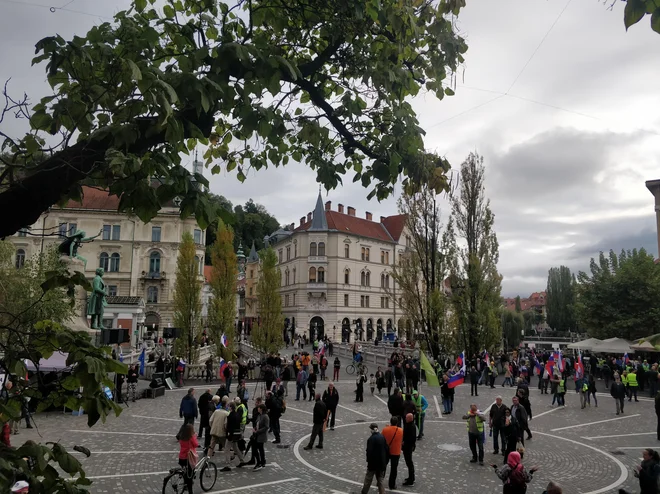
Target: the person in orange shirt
(306, 359)
(393, 436)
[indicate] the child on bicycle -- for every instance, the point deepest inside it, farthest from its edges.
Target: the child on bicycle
(188, 453)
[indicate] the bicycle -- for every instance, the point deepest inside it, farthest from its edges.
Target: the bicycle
(351, 368)
(176, 480)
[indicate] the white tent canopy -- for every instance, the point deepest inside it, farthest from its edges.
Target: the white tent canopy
(613, 345)
(587, 344)
(56, 362)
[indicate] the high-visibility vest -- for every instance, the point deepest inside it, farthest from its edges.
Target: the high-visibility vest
(562, 387)
(418, 403)
(632, 380)
(624, 379)
(244, 413)
(480, 423)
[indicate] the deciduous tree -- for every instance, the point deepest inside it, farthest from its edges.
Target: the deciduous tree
(560, 299)
(187, 303)
(260, 82)
(476, 284)
(267, 335)
(513, 324)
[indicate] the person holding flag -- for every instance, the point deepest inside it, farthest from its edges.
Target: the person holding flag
(458, 378)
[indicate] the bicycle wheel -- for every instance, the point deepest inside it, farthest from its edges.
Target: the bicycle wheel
(207, 476)
(174, 483)
(350, 369)
(365, 371)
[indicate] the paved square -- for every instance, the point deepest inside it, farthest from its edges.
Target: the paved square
(587, 451)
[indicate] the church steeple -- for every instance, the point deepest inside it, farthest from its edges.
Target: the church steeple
(319, 223)
(253, 257)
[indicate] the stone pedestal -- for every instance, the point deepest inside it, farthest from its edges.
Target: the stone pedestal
(79, 322)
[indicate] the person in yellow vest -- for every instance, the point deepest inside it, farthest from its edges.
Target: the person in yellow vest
(475, 427)
(421, 405)
(624, 380)
(632, 385)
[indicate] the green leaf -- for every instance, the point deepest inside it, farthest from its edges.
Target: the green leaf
(655, 20)
(136, 73)
(633, 12)
(168, 11)
(41, 120)
(140, 5)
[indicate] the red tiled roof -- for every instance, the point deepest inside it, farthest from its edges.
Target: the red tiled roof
(95, 199)
(362, 227)
(536, 299)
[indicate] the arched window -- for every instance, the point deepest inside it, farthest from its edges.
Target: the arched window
(294, 276)
(368, 279)
(154, 262)
(20, 258)
(363, 278)
(114, 262)
(152, 295)
(382, 280)
(286, 278)
(312, 249)
(198, 265)
(312, 275)
(347, 251)
(347, 274)
(321, 275)
(387, 281)
(321, 248)
(104, 261)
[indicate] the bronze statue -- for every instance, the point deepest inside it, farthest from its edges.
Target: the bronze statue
(71, 244)
(97, 301)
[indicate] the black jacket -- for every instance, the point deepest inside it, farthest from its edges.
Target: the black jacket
(474, 376)
(203, 406)
(233, 424)
(395, 405)
(409, 436)
(648, 477)
(497, 414)
(376, 452)
(657, 404)
(618, 390)
(320, 412)
(331, 400)
(188, 407)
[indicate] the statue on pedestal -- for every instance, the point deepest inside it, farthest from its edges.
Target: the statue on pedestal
(69, 247)
(97, 300)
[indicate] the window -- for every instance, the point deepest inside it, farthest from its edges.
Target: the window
(116, 232)
(365, 278)
(361, 300)
(288, 253)
(22, 232)
(295, 250)
(346, 300)
(286, 300)
(400, 302)
(107, 230)
(279, 256)
(20, 258)
(62, 229)
(286, 278)
(365, 254)
(384, 303)
(252, 273)
(347, 251)
(152, 295)
(198, 264)
(382, 280)
(384, 257)
(294, 299)
(112, 290)
(155, 234)
(321, 248)
(250, 291)
(312, 275)
(364, 301)
(321, 275)
(197, 236)
(367, 259)
(154, 262)
(347, 275)
(294, 276)
(114, 262)
(104, 261)
(73, 228)
(387, 281)
(312, 249)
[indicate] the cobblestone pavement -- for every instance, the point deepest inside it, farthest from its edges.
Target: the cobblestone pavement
(587, 451)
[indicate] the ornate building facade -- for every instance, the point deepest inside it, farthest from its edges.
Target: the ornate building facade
(139, 258)
(335, 270)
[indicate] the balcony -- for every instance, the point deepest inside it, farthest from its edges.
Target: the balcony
(317, 290)
(317, 259)
(153, 275)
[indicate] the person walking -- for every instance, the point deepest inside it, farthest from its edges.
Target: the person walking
(591, 390)
(495, 422)
(618, 392)
(331, 400)
(474, 381)
(408, 446)
(510, 434)
(132, 379)
(233, 437)
(336, 367)
(320, 416)
(475, 427)
(204, 416)
(508, 376)
(632, 385)
(394, 437)
(359, 387)
(376, 460)
(513, 475)
(274, 403)
(446, 394)
(188, 408)
(261, 436)
(301, 381)
(311, 384)
(519, 413)
(188, 453)
(242, 392)
(218, 422)
(395, 405)
(380, 380)
(421, 404)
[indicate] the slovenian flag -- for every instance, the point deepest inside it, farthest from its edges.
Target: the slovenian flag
(223, 340)
(550, 365)
(459, 378)
(626, 360)
(579, 368)
(487, 358)
(223, 364)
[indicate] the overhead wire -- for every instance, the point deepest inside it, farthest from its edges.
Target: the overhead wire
(54, 9)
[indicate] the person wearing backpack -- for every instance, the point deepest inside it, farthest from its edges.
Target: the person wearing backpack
(514, 476)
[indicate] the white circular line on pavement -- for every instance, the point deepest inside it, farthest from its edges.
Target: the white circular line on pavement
(622, 477)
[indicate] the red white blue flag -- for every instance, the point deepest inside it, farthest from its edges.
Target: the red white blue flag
(458, 378)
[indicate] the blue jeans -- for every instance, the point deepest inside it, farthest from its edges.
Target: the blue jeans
(299, 388)
(421, 424)
(446, 403)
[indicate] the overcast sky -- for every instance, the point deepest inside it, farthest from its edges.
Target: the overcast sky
(565, 174)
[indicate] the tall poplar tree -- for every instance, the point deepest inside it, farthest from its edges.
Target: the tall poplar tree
(474, 252)
(222, 306)
(187, 300)
(267, 335)
(560, 301)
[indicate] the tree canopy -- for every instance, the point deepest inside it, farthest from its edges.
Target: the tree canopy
(621, 296)
(636, 10)
(560, 302)
(259, 82)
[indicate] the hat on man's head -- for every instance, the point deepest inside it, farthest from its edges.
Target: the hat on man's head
(415, 392)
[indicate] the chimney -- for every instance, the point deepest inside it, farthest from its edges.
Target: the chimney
(328, 205)
(368, 216)
(309, 217)
(351, 211)
(340, 208)
(302, 221)
(382, 219)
